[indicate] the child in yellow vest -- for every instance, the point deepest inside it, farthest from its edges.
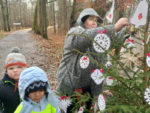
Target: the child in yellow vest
(35, 93)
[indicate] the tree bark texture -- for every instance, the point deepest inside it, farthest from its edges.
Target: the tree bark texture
(40, 18)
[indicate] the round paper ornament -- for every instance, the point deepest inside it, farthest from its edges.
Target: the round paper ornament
(84, 62)
(108, 64)
(103, 43)
(147, 95)
(148, 59)
(101, 102)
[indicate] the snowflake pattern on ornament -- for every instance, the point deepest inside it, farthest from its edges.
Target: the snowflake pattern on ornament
(84, 62)
(148, 59)
(147, 95)
(64, 103)
(101, 102)
(103, 42)
(97, 76)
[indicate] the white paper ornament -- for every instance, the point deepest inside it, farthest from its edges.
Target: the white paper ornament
(103, 43)
(148, 59)
(97, 76)
(101, 102)
(130, 42)
(110, 13)
(140, 15)
(64, 103)
(108, 64)
(84, 62)
(109, 81)
(147, 95)
(81, 109)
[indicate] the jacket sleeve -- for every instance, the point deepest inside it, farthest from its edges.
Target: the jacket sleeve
(80, 38)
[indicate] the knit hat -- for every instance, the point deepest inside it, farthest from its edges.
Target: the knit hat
(15, 58)
(35, 86)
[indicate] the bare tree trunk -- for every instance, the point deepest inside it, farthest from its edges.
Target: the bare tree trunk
(65, 15)
(40, 19)
(54, 19)
(20, 12)
(3, 15)
(43, 18)
(72, 18)
(59, 16)
(7, 16)
(36, 20)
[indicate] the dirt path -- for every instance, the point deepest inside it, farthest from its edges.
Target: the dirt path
(25, 41)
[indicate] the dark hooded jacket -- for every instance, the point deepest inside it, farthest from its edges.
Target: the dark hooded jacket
(9, 96)
(70, 74)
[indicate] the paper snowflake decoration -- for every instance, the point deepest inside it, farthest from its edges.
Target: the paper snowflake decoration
(97, 76)
(148, 59)
(147, 95)
(64, 103)
(101, 102)
(103, 42)
(84, 62)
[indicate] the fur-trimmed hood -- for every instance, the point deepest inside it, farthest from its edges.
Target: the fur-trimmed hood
(85, 12)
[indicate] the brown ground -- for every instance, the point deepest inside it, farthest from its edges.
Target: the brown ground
(53, 48)
(38, 51)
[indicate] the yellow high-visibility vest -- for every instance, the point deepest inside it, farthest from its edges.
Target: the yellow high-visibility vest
(48, 109)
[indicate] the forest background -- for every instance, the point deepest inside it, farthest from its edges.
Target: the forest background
(51, 19)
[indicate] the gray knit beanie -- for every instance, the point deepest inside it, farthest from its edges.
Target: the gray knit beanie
(15, 58)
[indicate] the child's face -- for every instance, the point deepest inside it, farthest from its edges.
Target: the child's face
(37, 95)
(14, 71)
(91, 22)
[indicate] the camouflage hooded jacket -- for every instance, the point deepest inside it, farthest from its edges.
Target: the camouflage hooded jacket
(71, 75)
